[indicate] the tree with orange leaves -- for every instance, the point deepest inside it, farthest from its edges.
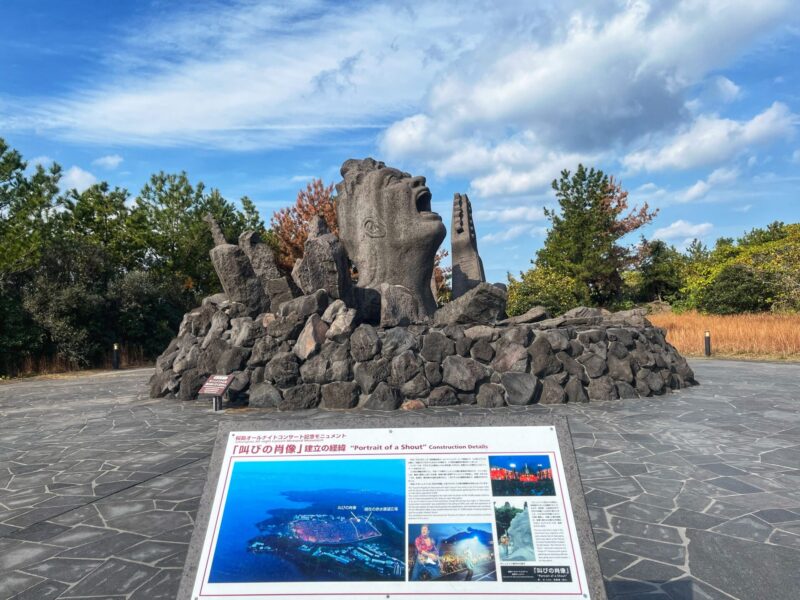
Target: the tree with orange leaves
(583, 240)
(289, 224)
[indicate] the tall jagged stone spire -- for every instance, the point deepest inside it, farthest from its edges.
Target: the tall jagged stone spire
(467, 264)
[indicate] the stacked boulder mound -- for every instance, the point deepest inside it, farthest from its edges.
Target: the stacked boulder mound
(317, 337)
(315, 351)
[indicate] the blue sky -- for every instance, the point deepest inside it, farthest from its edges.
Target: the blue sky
(694, 106)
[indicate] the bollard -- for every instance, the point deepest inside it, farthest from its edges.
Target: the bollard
(115, 357)
(707, 341)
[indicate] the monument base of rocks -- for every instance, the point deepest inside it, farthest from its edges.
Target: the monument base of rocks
(317, 339)
(314, 352)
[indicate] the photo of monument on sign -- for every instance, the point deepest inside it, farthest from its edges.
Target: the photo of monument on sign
(521, 475)
(514, 530)
(326, 520)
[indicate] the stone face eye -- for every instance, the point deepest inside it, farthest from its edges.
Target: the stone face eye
(374, 228)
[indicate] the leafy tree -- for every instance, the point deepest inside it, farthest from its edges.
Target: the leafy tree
(290, 224)
(168, 221)
(662, 270)
(582, 242)
(541, 286)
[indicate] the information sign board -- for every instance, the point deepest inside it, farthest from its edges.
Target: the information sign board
(216, 385)
(373, 512)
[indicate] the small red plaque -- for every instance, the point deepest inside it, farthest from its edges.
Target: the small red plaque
(216, 385)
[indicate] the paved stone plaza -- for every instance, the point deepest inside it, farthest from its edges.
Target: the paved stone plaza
(692, 495)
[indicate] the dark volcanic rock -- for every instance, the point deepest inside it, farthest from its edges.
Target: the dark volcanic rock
(264, 395)
(369, 374)
(602, 388)
(364, 343)
(399, 306)
(238, 278)
(300, 397)
(397, 341)
(482, 350)
(383, 397)
(324, 265)
(462, 373)
(552, 392)
(575, 391)
(340, 394)
(521, 388)
(232, 359)
(305, 306)
(436, 346)
(191, 382)
(282, 370)
(442, 396)
(491, 395)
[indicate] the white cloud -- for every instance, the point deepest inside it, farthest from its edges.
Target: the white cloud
(726, 89)
(743, 209)
(682, 230)
(76, 178)
(110, 161)
(505, 215)
(44, 161)
(506, 94)
(712, 139)
(511, 233)
(701, 188)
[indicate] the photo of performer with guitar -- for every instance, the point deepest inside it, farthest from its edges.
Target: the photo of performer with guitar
(451, 552)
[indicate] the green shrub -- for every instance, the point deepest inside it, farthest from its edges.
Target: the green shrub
(542, 287)
(737, 288)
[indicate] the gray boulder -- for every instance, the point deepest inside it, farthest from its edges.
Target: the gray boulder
(491, 395)
(399, 306)
(436, 346)
(521, 388)
(264, 395)
(484, 305)
(324, 265)
(532, 315)
(364, 343)
(462, 373)
(340, 394)
(396, 341)
(238, 279)
(300, 397)
(442, 396)
(371, 373)
(282, 370)
(311, 338)
(305, 306)
(383, 397)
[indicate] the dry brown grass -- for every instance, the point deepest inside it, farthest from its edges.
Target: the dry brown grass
(764, 335)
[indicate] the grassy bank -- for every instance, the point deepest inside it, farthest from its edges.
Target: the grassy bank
(757, 336)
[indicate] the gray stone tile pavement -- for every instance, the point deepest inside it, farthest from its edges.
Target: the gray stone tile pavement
(693, 495)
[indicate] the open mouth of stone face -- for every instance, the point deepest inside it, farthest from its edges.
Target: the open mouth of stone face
(422, 200)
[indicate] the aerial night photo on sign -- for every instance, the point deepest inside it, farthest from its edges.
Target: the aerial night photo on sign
(320, 520)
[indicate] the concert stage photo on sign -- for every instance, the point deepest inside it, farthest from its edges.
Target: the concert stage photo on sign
(514, 536)
(521, 475)
(315, 520)
(451, 552)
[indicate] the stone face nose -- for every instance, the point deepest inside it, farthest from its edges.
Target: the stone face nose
(418, 181)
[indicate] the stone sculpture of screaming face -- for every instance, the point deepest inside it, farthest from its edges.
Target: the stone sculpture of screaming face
(387, 227)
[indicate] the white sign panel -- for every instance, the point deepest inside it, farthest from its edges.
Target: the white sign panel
(418, 512)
